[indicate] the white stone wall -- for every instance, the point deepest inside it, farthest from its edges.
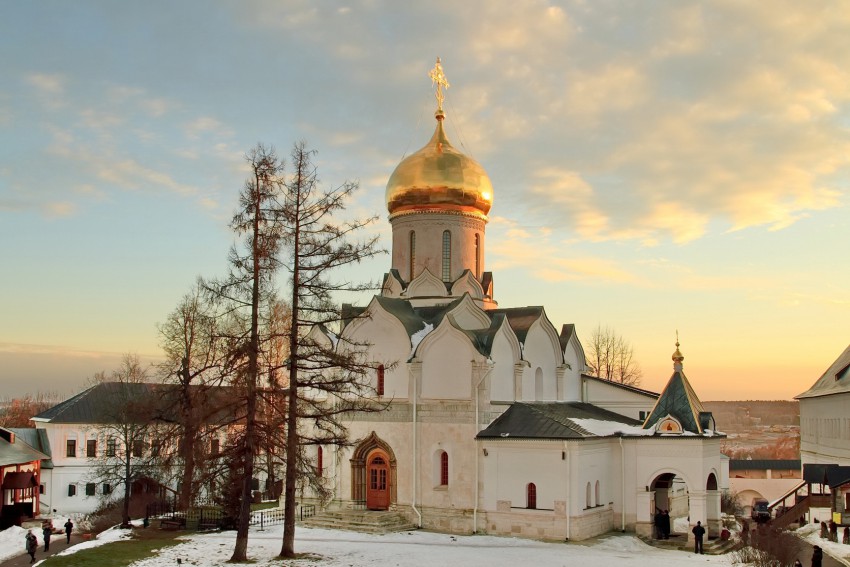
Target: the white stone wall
(825, 429)
(618, 400)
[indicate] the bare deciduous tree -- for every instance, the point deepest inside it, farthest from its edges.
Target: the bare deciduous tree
(194, 359)
(328, 377)
(241, 297)
(125, 424)
(610, 356)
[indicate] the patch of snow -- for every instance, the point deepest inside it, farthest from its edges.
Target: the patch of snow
(417, 337)
(332, 548)
(332, 336)
(606, 428)
(811, 533)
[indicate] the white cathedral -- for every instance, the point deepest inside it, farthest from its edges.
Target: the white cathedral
(492, 425)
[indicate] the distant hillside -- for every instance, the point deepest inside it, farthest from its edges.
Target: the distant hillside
(747, 414)
(758, 429)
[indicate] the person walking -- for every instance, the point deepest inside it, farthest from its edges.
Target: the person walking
(68, 527)
(698, 532)
(665, 524)
(47, 531)
(32, 545)
(817, 556)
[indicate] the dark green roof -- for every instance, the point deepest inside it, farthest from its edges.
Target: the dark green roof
(18, 452)
(679, 400)
(520, 318)
(38, 440)
(549, 420)
(764, 464)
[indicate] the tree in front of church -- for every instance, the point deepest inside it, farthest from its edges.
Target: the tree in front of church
(328, 376)
(126, 419)
(611, 357)
(240, 300)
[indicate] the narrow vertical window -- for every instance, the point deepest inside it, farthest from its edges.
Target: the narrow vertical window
(596, 495)
(588, 503)
(444, 469)
(380, 386)
(91, 448)
(110, 447)
(447, 256)
(319, 463)
(478, 256)
(531, 496)
(412, 253)
(71, 448)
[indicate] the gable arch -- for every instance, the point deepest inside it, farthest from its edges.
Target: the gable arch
(447, 355)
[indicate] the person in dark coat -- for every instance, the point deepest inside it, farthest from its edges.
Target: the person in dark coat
(47, 531)
(68, 527)
(32, 545)
(817, 556)
(665, 524)
(698, 532)
(659, 529)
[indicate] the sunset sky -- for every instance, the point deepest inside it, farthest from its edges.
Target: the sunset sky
(656, 165)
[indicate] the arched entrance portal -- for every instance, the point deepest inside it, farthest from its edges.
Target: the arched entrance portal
(373, 474)
(671, 495)
(377, 485)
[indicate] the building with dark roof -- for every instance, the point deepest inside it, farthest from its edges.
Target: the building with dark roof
(492, 422)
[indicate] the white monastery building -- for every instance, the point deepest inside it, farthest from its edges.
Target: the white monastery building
(492, 424)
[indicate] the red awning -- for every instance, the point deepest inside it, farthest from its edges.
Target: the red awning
(19, 480)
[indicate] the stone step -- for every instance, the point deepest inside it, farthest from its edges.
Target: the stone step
(360, 520)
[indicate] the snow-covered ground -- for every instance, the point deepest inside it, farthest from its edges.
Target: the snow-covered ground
(332, 548)
(811, 533)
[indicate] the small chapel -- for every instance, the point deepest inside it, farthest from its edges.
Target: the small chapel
(492, 423)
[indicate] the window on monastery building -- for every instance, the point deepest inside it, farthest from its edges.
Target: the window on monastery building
(531, 496)
(412, 253)
(380, 386)
(319, 464)
(72, 490)
(138, 448)
(444, 469)
(478, 256)
(90, 489)
(642, 415)
(156, 447)
(41, 489)
(587, 497)
(110, 447)
(91, 448)
(71, 448)
(255, 484)
(597, 499)
(447, 256)
(107, 488)
(215, 447)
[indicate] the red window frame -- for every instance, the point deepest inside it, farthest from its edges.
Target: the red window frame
(444, 469)
(380, 386)
(531, 496)
(319, 463)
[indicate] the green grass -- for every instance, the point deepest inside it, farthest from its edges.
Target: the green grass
(264, 505)
(120, 553)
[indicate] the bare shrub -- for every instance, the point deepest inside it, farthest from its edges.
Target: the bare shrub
(769, 548)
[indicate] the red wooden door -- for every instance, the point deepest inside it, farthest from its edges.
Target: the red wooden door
(377, 482)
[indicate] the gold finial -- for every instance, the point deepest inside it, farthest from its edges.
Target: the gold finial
(677, 356)
(438, 79)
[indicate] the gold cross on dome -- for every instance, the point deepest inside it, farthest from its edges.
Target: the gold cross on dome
(438, 79)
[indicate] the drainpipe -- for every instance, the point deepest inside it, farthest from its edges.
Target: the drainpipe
(569, 478)
(415, 455)
(477, 480)
(623, 483)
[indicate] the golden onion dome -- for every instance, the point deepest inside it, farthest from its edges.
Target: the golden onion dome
(439, 178)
